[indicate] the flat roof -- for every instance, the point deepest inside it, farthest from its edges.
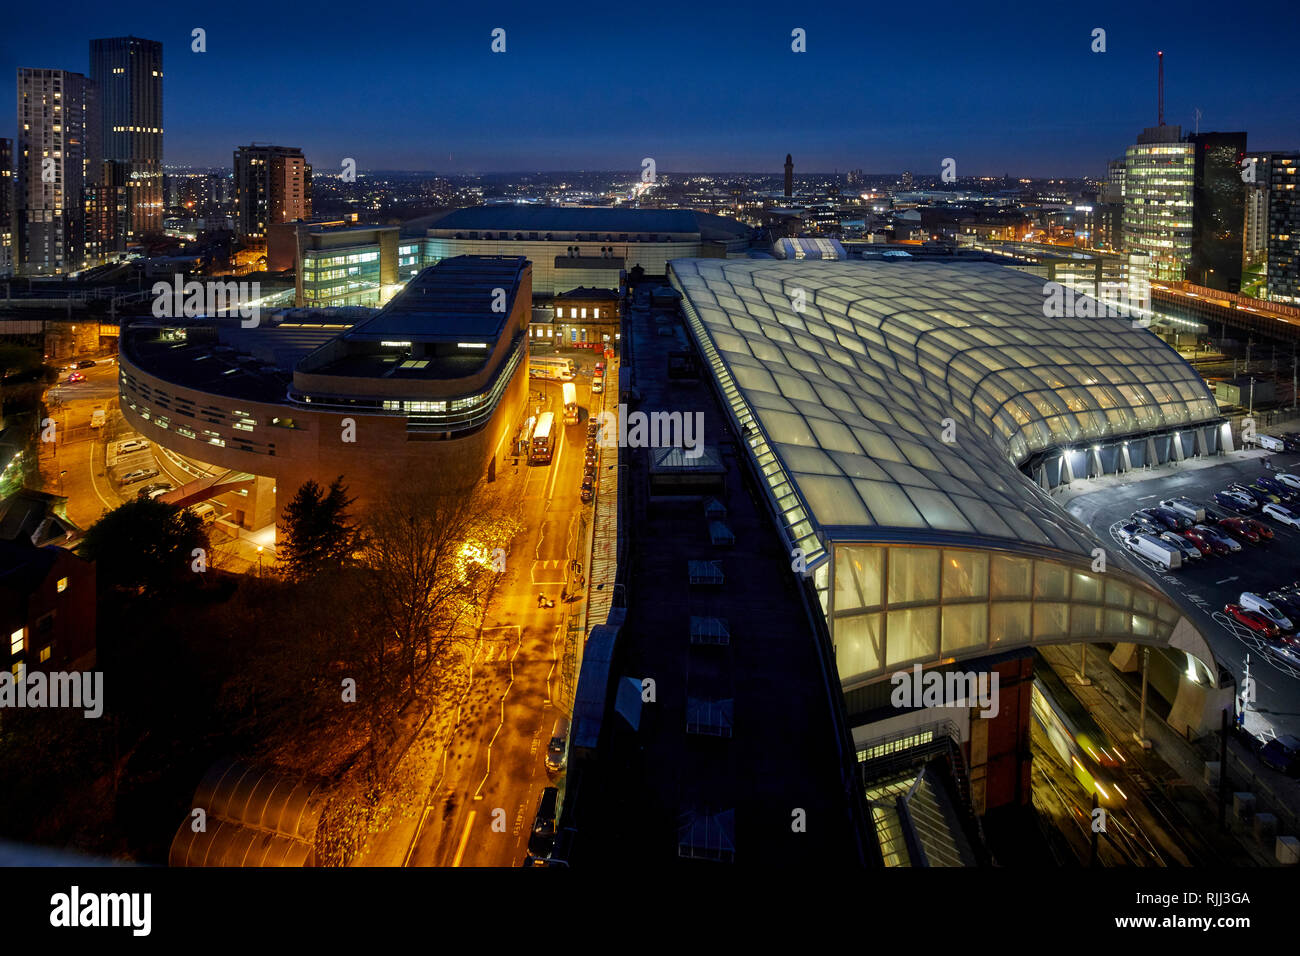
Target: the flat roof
(570, 219)
(450, 301)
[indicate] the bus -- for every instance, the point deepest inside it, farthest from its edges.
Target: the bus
(540, 450)
(560, 369)
(570, 403)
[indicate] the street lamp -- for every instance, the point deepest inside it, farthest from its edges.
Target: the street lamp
(259, 560)
(61, 474)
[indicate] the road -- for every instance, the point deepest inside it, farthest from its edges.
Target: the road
(481, 807)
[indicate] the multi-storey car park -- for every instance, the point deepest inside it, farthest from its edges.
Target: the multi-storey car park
(435, 379)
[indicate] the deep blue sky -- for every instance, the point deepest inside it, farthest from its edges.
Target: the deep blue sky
(1003, 88)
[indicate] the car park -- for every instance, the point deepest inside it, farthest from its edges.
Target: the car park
(1220, 542)
(1261, 605)
(1234, 501)
(1185, 507)
(1239, 529)
(139, 474)
(1248, 618)
(1282, 515)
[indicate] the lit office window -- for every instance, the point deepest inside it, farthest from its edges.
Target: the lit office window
(62, 585)
(16, 641)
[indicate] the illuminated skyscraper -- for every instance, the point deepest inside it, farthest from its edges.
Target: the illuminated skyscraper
(1159, 177)
(128, 73)
(1283, 270)
(57, 156)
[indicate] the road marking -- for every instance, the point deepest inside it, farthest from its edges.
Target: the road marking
(464, 839)
(1145, 498)
(1226, 580)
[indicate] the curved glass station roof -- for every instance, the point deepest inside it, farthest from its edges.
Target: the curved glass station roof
(890, 401)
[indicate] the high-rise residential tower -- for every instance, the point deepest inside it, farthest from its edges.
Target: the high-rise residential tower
(1218, 210)
(789, 176)
(6, 207)
(1282, 283)
(272, 185)
(58, 153)
(128, 72)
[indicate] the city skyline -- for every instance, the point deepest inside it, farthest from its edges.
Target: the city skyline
(917, 103)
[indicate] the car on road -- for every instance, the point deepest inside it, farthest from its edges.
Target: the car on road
(542, 840)
(1261, 605)
(1282, 515)
(1247, 618)
(140, 474)
(588, 488)
(84, 363)
(76, 377)
(1234, 501)
(1220, 542)
(557, 749)
(97, 418)
(600, 369)
(132, 445)
(1239, 529)
(1198, 540)
(598, 385)
(1282, 754)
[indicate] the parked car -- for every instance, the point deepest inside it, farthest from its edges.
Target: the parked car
(1190, 551)
(140, 474)
(542, 839)
(1246, 492)
(1185, 507)
(1269, 483)
(1261, 605)
(1287, 602)
(1264, 531)
(1282, 515)
(1264, 496)
(1256, 622)
(1167, 518)
(1146, 524)
(1234, 501)
(133, 445)
(1283, 754)
(154, 489)
(588, 489)
(1291, 481)
(597, 385)
(1197, 540)
(1285, 649)
(1211, 517)
(557, 749)
(1238, 528)
(1221, 542)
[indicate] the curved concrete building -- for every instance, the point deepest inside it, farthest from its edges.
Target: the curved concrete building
(437, 379)
(906, 418)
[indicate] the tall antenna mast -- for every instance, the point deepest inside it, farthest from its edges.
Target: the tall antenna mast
(1160, 56)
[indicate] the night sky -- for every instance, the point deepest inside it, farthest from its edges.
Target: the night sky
(698, 86)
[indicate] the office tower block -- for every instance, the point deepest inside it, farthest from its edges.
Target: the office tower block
(272, 185)
(1218, 210)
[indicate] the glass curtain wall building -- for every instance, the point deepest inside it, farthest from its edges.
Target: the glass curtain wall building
(1159, 174)
(902, 416)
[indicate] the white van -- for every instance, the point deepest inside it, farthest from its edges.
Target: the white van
(97, 418)
(206, 512)
(1253, 602)
(1185, 507)
(1153, 549)
(1269, 443)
